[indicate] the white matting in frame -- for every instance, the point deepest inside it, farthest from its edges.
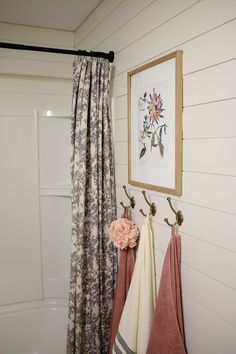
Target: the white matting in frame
(155, 125)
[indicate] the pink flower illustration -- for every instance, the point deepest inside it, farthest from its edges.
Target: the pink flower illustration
(154, 127)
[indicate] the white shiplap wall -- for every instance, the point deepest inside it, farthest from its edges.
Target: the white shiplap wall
(140, 31)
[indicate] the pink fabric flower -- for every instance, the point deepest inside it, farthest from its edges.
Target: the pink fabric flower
(124, 233)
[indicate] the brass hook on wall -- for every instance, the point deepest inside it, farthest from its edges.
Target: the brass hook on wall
(152, 206)
(178, 215)
(131, 199)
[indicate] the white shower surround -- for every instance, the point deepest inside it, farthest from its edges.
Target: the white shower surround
(37, 327)
(35, 252)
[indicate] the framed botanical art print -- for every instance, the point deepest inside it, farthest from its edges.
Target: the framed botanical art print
(155, 125)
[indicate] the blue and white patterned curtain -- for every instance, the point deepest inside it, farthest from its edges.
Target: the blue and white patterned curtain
(93, 258)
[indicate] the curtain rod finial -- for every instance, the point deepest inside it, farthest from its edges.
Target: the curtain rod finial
(111, 56)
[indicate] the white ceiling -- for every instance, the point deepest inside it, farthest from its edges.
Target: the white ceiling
(57, 14)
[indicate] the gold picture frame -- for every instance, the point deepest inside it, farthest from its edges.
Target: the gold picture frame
(155, 104)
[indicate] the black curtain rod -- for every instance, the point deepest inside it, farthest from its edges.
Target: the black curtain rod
(109, 56)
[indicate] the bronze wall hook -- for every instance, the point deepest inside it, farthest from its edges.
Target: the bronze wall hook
(178, 215)
(131, 199)
(142, 212)
(152, 206)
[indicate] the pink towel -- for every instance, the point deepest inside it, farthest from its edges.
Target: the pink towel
(125, 271)
(167, 334)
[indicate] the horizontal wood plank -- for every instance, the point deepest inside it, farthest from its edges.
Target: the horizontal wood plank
(172, 33)
(212, 191)
(35, 86)
(96, 17)
(120, 107)
(207, 190)
(41, 101)
(195, 343)
(223, 304)
(35, 35)
(212, 120)
(25, 66)
(210, 156)
(197, 55)
(158, 13)
(209, 260)
(121, 130)
(212, 329)
(215, 83)
(200, 155)
(121, 153)
(216, 230)
(115, 22)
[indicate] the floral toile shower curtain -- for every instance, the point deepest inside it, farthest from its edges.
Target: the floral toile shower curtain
(93, 258)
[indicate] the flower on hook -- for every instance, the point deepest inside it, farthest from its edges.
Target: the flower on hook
(124, 233)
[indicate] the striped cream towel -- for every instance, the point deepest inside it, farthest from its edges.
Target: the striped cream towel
(135, 324)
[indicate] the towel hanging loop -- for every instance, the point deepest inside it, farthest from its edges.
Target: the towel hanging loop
(178, 215)
(131, 199)
(152, 206)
